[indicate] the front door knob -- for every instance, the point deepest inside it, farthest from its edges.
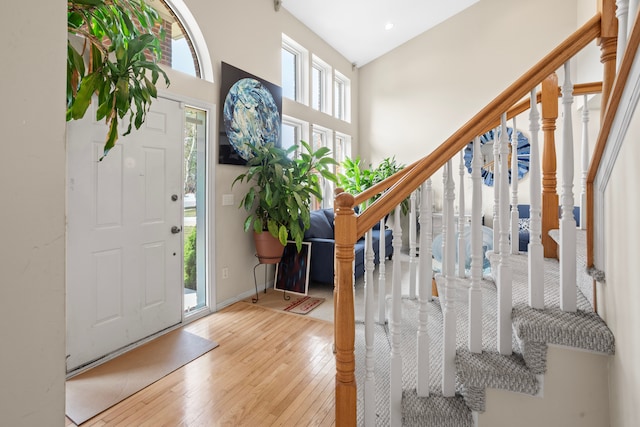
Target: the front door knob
(175, 229)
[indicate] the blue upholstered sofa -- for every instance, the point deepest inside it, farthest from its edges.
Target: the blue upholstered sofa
(525, 219)
(321, 236)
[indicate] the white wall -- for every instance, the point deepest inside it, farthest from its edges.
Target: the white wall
(620, 295)
(32, 184)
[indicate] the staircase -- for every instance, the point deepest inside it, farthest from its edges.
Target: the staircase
(491, 339)
(580, 341)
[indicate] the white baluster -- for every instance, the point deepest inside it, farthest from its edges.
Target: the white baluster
(622, 13)
(585, 164)
(633, 13)
(426, 240)
(448, 268)
(515, 216)
(535, 249)
(413, 253)
(369, 382)
(424, 291)
(567, 249)
(382, 279)
(462, 253)
(504, 275)
(395, 324)
(475, 292)
(496, 193)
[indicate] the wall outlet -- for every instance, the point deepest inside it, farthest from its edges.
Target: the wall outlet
(227, 200)
(225, 272)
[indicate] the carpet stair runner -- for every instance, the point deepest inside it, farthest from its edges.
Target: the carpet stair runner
(532, 331)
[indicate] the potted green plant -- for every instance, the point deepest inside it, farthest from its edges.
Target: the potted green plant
(281, 191)
(355, 178)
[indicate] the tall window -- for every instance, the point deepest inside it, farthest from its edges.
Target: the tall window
(289, 73)
(293, 130)
(195, 205)
(341, 97)
(320, 85)
(323, 137)
(342, 150)
(294, 70)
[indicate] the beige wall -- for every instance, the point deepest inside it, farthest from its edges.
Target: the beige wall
(416, 96)
(32, 184)
(620, 294)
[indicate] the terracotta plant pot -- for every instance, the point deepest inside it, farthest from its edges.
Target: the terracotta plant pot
(268, 248)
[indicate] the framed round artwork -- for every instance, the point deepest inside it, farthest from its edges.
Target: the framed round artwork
(488, 162)
(250, 115)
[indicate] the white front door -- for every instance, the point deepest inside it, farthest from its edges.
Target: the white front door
(124, 260)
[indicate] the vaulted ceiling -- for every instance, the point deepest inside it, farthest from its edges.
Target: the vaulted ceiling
(363, 30)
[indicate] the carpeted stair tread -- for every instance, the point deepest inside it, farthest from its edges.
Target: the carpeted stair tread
(582, 329)
(434, 410)
(491, 369)
(477, 371)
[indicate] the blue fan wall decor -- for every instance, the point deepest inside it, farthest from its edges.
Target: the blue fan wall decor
(486, 149)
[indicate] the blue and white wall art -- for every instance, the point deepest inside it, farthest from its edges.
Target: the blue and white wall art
(251, 113)
(488, 162)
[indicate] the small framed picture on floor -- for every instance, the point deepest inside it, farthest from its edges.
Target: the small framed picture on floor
(292, 272)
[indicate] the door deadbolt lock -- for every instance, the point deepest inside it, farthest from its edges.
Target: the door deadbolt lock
(175, 229)
(174, 197)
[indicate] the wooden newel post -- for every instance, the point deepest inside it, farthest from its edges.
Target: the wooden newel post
(344, 326)
(549, 180)
(608, 44)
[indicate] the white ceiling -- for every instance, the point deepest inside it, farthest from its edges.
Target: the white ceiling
(356, 28)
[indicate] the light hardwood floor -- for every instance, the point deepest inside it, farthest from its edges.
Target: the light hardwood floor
(271, 368)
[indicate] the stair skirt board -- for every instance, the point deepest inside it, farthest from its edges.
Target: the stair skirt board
(574, 394)
(533, 331)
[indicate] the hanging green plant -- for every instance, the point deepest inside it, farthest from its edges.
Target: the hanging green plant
(117, 60)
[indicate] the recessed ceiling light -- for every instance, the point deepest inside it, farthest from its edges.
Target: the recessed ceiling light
(388, 26)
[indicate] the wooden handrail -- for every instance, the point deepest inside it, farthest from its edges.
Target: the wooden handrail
(519, 108)
(605, 129)
(428, 165)
(525, 104)
(383, 185)
(587, 88)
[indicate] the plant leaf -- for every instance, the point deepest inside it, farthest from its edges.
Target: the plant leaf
(82, 100)
(283, 234)
(247, 223)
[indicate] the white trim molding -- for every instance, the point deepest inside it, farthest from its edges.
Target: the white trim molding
(626, 110)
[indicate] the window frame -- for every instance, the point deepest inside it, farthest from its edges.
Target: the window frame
(302, 68)
(301, 130)
(326, 83)
(345, 98)
(344, 140)
(327, 186)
